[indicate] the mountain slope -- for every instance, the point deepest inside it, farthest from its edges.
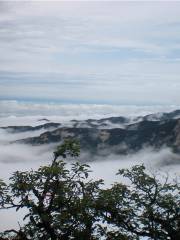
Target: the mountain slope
(18, 129)
(119, 141)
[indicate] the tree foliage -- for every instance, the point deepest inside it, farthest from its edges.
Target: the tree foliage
(64, 203)
(146, 208)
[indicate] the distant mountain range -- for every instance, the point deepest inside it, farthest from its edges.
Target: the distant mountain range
(18, 129)
(117, 135)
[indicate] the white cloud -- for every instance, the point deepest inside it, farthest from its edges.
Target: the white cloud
(111, 46)
(24, 113)
(47, 28)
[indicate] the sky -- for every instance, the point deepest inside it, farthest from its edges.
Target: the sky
(90, 52)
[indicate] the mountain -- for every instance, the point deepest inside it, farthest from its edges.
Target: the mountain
(123, 122)
(159, 116)
(104, 123)
(136, 136)
(114, 135)
(18, 129)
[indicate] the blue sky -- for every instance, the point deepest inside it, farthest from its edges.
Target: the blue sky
(90, 52)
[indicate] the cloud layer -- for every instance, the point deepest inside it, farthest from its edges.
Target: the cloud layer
(98, 52)
(28, 113)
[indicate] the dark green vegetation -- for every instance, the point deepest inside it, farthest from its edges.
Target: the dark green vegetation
(64, 204)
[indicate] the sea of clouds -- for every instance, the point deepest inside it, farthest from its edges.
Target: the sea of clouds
(24, 157)
(30, 110)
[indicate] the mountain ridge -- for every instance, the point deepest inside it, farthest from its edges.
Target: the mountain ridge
(98, 138)
(118, 140)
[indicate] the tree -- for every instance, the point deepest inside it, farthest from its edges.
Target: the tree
(146, 208)
(60, 201)
(63, 203)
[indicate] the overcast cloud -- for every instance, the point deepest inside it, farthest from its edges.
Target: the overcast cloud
(90, 52)
(29, 113)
